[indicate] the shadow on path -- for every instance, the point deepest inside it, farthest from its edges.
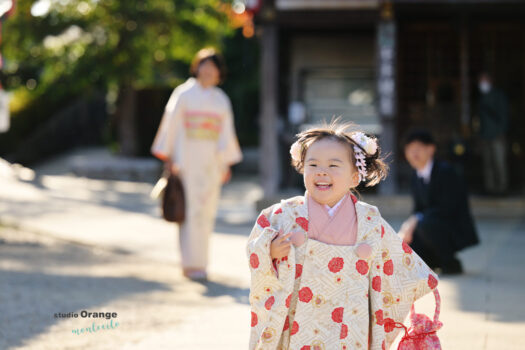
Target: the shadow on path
(32, 299)
(218, 289)
(495, 278)
(33, 287)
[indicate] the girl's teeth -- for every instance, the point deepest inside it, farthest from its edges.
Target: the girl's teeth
(323, 187)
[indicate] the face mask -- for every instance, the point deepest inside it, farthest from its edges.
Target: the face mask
(484, 87)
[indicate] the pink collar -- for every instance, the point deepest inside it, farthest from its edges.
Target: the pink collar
(331, 211)
(339, 229)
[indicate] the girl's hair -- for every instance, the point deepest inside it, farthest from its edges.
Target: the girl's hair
(376, 167)
(208, 54)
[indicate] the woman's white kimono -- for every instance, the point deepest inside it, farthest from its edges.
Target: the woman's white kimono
(324, 296)
(197, 133)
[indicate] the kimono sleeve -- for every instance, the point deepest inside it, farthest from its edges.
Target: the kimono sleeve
(228, 143)
(269, 292)
(258, 252)
(170, 129)
(398, 278)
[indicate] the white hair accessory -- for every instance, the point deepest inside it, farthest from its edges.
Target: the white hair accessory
(360, 163)
(295, 151)
(369, 145)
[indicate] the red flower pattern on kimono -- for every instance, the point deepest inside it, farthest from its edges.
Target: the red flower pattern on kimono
(382, 231)
(295, 328)
(388, 267)
(407, 248)
(376, 283)
(336, 264)
(361, 267)
(344, 331)
(303, 222)
(298, 270)
(379, 317)
(337, 314)
(269, 302)
(279, 211)
(389, 325)
(286, 324)
(305, 295)
(254, 319)
(288, 300)
(254, 261)
(306, 347)
(263, 221)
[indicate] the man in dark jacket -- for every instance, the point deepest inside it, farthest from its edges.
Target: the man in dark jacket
(441, 224)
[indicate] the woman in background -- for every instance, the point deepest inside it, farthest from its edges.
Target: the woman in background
(197, 140)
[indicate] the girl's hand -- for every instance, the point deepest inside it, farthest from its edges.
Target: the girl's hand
(280, 246)
(407, 229)
(171, 167)
(226, 176)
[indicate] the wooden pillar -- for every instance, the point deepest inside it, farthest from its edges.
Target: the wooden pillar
(126, 119)
(269, 168)
(386, 87)
(464, 72)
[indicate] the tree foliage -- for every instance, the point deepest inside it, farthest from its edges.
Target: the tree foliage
(57, 50)
(77, 45)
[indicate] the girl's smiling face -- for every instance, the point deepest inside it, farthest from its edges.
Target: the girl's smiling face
(328, 171)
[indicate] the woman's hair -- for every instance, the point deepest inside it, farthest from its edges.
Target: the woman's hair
(376, 168)
(208, 54)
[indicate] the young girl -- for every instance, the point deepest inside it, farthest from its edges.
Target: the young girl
(327, 271)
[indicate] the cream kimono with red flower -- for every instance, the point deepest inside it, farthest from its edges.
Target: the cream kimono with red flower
(197, 133)
(324, 296)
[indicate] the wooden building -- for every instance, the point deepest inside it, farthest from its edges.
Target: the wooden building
(389, 66)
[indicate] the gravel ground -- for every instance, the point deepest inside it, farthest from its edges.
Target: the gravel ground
(156, 307)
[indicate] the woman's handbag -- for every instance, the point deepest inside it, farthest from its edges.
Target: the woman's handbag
(170, 188)
(173, 204)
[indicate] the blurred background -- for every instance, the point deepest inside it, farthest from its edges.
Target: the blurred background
(100, 73)
(84, 83)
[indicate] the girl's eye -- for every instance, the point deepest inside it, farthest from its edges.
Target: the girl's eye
(333, 166)
(313, 165)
